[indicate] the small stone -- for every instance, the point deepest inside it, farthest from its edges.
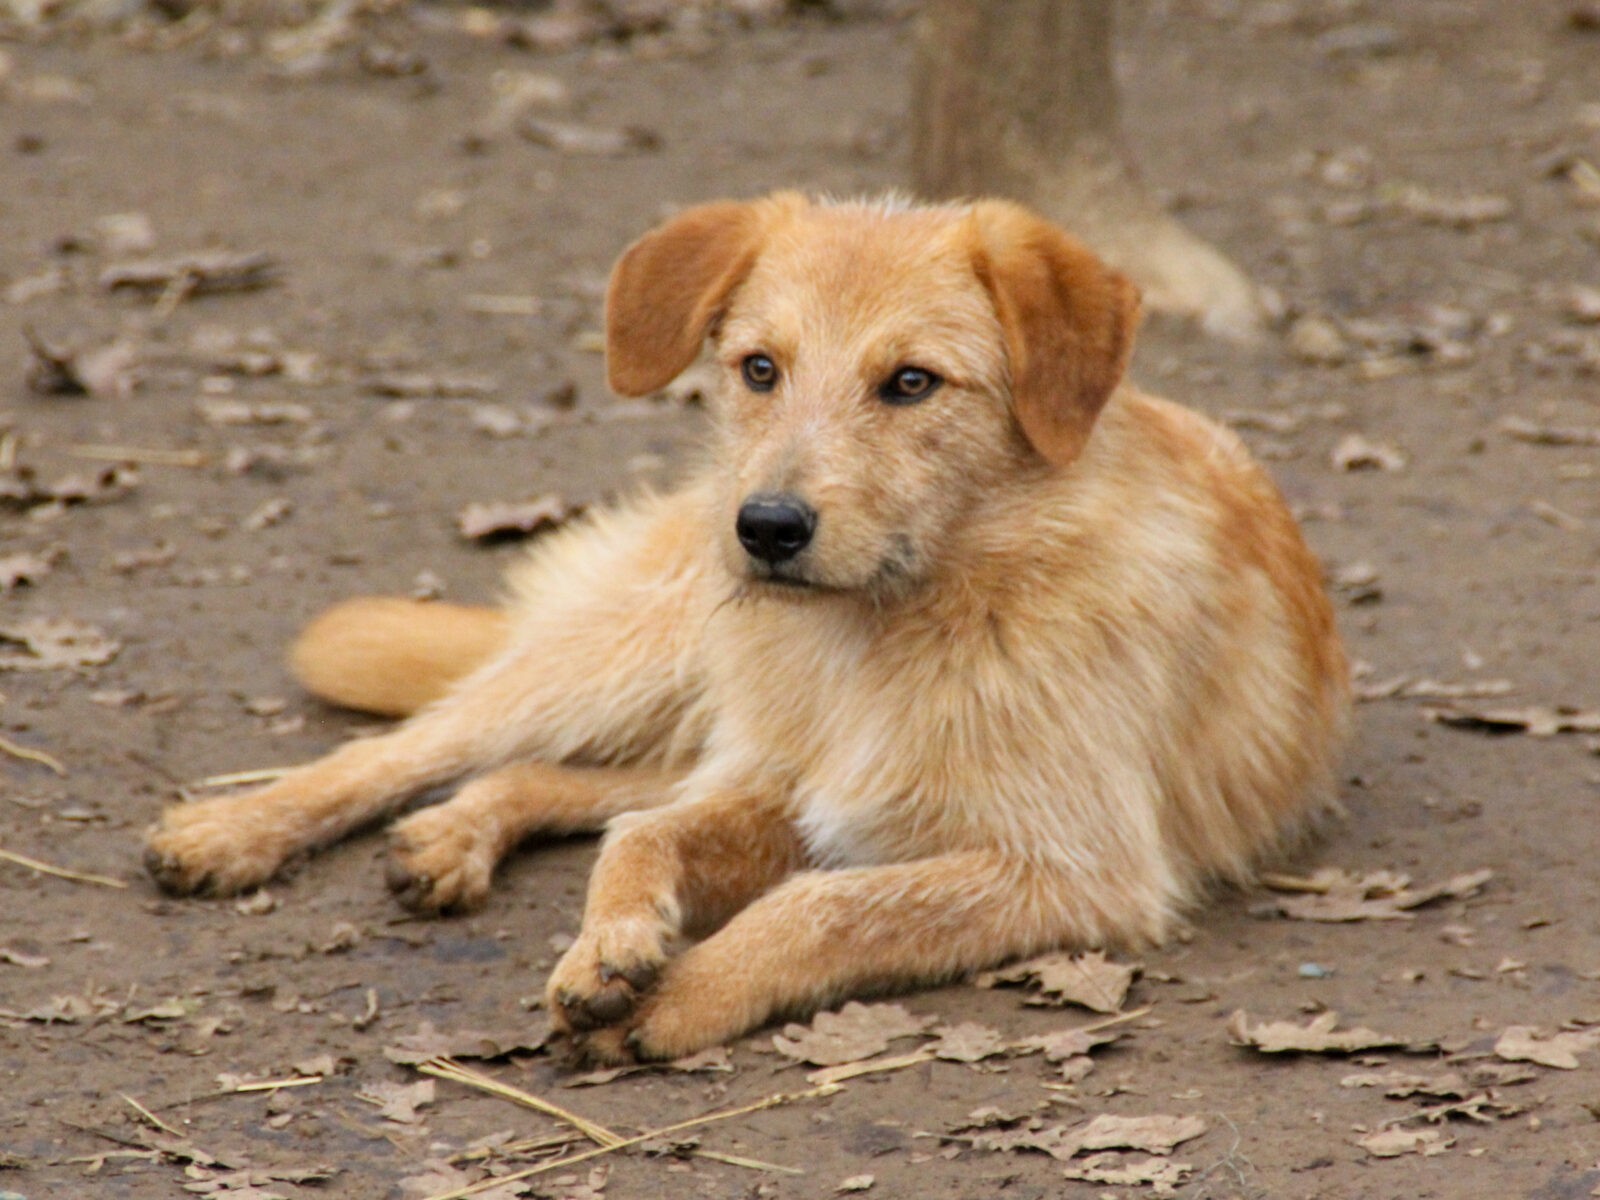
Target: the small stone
(1317, 340)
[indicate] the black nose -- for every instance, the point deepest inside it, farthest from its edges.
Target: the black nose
(775, 528)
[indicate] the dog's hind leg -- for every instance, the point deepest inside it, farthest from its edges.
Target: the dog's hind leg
(443, 857)
(600, 668)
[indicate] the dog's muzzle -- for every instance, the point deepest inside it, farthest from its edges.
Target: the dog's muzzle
(775, 527)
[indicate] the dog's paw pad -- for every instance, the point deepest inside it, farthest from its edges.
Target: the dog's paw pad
(437, 864)
(605, 974)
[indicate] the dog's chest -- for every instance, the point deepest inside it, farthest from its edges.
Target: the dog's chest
(891, 742)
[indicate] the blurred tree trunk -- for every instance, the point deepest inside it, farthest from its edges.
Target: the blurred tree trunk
(1017, 98)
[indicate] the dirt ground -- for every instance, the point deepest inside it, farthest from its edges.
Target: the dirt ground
(1416, 182)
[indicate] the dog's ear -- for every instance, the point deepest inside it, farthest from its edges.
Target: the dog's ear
(671, 285)
(1068, 321)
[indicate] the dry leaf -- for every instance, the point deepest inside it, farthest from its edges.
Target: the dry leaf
(1153, 1135)
(421, 385)
(1318, 1036)
(482, 522)
(1089, 980)
(856, 1183)
(568, 137)
(1356, 453)
(221, 411)
(1066, 1044)
(18, 569)
(21, 958)
(1461, 212)
(197, 274)
(1334, 895)
(20, 487)
(1162, 1175)
(398, 1102)
(718, 1058)
(1391, 1143)
(967, 1042)
(1523, 1043)
(438, 1177)
(855, 1032)
(54, 644)
(105, 372)
(429, 1042)
(1535, 720)
(1524, 430)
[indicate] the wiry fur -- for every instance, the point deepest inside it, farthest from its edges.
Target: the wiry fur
(1056, 657)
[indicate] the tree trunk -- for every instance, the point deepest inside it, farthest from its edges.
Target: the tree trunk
(1017, 98)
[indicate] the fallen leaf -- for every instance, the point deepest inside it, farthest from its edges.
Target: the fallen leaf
(438, 1177)
(567, 137)
(1534, 720)
(20, 487)
(1066, 1044)
(1524, 430)
(1355, 453)
(398, 1102)
(1152, 1134)
(421, 385)
(54, 644)
(1161, 1174)
(21, 958)
(1460, 212)
(1089, 980)
(855, 1032)
(1334, 895)
(717, 1058)
(1524, 1043)
(197, 274)
(483, 522)
(967, 1042)
(428, 1042)
(104, 372)
(1318, 1036)
(1391, 1143)
(18, 569)
(220, 411)
(856, 1183)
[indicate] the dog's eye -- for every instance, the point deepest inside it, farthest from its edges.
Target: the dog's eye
(760, 372)
(909, 385)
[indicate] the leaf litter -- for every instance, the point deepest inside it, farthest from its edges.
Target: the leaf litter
(855, 1032)
(1539, 720)
(1320, 1035)
(1341, 896)
(1088, 980)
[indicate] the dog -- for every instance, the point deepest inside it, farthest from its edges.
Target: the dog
(960, 648)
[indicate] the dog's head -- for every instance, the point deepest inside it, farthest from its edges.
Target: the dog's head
(885, 367)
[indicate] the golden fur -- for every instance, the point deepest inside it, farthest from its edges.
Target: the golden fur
(1055, 658)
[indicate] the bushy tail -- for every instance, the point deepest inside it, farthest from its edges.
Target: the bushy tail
(392, 656)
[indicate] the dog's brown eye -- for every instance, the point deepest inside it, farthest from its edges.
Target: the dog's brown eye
(909, 385)
(760, 372)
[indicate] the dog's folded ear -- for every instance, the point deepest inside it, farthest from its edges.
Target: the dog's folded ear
(1068, 321)
(672, 284)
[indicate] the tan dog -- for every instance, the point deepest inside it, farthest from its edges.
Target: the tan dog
(957, 651)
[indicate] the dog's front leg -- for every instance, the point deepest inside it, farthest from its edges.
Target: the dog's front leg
(823, 935)
(684, 868)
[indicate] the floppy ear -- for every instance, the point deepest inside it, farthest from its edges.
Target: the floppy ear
(670, 285)
(1068, 321)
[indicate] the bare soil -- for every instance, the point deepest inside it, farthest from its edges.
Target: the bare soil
(1328, 146)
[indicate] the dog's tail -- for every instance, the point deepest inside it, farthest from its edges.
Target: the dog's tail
(391, 656)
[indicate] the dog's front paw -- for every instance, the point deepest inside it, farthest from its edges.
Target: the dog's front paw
(600, 980)
(440, 861)
(212, 848)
